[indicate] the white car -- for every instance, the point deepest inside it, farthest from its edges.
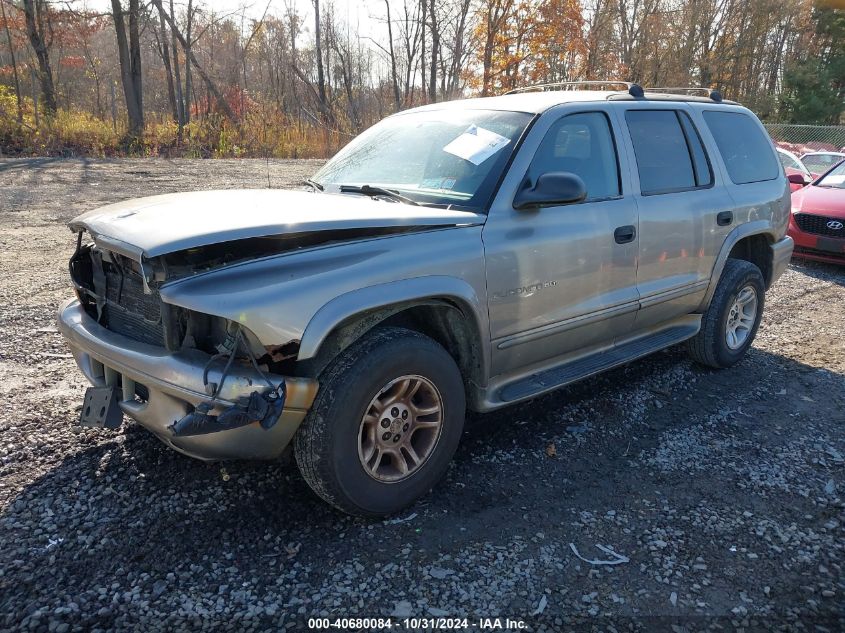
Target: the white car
(820, 162)
(793, 166)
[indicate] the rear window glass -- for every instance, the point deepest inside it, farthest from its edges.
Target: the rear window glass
(746, 150)
(663, 156)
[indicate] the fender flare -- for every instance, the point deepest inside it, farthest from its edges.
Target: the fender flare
(418, 289)
(757, 227)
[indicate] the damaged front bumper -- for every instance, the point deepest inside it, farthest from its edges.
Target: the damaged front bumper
(159, 388)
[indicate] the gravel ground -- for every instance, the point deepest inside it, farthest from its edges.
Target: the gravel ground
(723, 491)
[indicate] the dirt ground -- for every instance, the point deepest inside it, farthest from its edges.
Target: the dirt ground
(723, 491)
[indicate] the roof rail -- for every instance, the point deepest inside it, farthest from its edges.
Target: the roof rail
(569, 84)
(715, 95)
(633, 89)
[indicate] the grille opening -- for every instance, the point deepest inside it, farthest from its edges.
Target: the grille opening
(129, 310)
(111, 290)
(818, 225)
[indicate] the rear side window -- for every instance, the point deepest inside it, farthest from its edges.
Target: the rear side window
(669, 152)
(744, 147)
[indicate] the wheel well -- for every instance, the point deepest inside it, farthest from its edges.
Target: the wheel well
(438, 319)
(755, 249)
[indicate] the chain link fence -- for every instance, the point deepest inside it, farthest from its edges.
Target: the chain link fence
(801, 139)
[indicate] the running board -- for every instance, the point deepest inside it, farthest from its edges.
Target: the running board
(561, 375)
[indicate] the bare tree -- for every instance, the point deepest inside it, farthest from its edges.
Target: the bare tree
(393, 74)
(164, 51)
(14, 61)
(181, 108)
(435, 48)
(129, 56)
(210, 85)
(39, 30)
(318, 48)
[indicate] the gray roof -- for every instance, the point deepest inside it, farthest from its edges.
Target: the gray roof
(542, 100)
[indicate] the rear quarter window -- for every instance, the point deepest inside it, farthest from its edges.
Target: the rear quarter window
(746, 150)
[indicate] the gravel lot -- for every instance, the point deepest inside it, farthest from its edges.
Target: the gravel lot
(725, 491)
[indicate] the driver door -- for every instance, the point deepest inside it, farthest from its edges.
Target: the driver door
(563, 278)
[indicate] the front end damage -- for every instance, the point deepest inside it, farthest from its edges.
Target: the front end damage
(203, 384)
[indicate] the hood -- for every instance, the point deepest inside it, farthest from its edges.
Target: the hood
(826, 201)
(158, 225)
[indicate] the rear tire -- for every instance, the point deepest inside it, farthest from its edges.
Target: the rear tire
(729, 325)
(367, 446)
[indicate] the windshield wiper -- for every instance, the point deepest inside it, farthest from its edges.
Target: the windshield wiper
(316, 186)
(369, 190)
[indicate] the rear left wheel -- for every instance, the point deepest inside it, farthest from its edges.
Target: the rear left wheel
(385, 424)
(730, 323)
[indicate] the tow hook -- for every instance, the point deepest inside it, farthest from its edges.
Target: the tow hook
(262, 408)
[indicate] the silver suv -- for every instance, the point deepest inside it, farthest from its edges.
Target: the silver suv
(473, 254)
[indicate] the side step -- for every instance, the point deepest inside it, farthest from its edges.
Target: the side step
(555, 377)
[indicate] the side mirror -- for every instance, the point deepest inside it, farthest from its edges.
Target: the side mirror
(551, 189)
(799, 179)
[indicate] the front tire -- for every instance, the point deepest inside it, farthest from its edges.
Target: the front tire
(729, 325)
(385, 424)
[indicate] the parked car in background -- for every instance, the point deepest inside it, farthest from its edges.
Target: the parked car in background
(468, 254)
(820, 162)
(794, 169)
(818, 218)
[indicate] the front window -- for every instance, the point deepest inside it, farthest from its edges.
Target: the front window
(435, 157)
(835, 178)
(581, 144)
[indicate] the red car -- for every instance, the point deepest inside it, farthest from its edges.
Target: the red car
(817, 223)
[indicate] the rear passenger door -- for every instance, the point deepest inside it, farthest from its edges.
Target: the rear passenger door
(684, 211)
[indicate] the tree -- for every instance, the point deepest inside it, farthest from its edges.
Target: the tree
(210, 85)
(814, 88)
(14, 61)
(435, 49)
(393, 73)
(318, 49)
(39, 30)
(164, 52)
(494, 16)
(556, 47)
(129, 56)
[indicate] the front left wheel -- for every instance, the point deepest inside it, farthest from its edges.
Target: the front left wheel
(385, 424)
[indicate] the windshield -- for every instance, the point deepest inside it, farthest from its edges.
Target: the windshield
(791, 162)
(820, 163)
(445, 157)
(834, 178)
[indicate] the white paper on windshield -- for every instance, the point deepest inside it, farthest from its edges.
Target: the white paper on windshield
(838, 179)
(476, 144)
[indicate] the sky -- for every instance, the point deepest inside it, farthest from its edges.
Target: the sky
(356, 13)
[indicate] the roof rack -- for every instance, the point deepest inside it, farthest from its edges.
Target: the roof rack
(633, 89)
(569, 84)
(715, 95)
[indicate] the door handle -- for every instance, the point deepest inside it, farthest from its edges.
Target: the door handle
(724, 218)
(625, 234)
